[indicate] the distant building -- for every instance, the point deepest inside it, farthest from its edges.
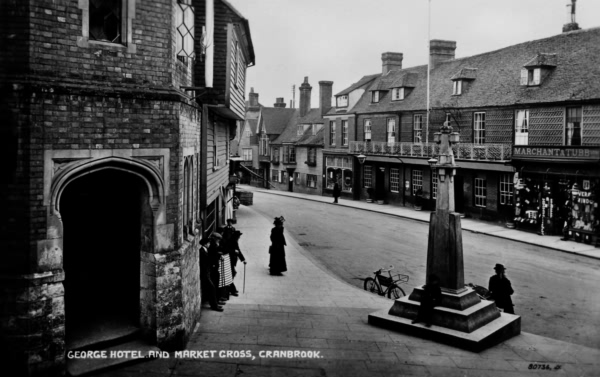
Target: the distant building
(526, 114)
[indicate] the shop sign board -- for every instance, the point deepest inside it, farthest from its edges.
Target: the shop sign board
(556, 153)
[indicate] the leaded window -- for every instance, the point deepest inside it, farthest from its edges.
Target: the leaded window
(522, 127)
(106, 20)
(573, 127)
(184, 19)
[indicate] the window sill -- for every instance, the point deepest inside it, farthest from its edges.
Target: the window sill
(215, 168)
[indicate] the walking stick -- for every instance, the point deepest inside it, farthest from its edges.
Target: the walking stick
(244, 289)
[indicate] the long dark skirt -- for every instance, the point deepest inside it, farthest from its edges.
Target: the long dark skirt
(277, 263)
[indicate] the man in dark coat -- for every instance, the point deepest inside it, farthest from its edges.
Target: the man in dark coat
(209, 290)
(227, 232)
(336, 192)
(431, 297)
(277, 263)
(501, 290)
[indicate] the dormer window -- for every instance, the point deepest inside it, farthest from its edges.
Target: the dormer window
(342, 101)
(375, 96)
(535, 70)
(457, 88)
(397, 94)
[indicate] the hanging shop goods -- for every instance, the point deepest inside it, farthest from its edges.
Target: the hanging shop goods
(583, 223)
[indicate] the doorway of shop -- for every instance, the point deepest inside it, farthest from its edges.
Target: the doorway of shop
(459, 200)
(380, 183)
(102, 214)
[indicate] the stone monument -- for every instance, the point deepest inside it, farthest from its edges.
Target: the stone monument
(462, 319)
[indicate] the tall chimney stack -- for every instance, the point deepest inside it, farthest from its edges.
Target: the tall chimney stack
(440, 51)
(391, 61)
(253, 100)
(305, 91)
(279, 102)
(325, 93)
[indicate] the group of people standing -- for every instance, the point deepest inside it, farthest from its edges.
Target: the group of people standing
(219, 254)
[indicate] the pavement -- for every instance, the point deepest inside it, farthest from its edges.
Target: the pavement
(475, 226)
(310, 323)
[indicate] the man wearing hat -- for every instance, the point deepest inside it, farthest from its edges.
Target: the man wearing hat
(209, 290)
(501, 289)
(233, 248)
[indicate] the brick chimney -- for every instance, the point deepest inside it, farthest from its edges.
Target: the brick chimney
(253, 100)
(325, 93)
(440, 51)
(391, 61)
(279, 102)
(305, 91)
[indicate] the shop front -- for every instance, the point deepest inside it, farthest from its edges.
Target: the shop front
(557, 190)
(339, 169)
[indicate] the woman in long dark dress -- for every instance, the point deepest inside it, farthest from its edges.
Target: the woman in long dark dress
(277, 263)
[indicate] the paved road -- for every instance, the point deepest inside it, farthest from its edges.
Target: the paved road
(557, 294)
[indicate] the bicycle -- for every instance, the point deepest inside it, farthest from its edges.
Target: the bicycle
(392, 289)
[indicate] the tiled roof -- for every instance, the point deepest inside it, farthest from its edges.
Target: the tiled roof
(290, 134)
(358, 84)
(465, 73)
(276, 119)
(497, 83)
(407, 80)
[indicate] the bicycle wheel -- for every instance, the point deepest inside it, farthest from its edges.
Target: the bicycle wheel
(395, 292)
(372, 286)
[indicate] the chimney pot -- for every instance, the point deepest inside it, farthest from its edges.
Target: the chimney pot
(279, 102)
(391, 61)
(440, 51)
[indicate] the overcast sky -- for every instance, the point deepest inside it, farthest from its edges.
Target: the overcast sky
(342, 40)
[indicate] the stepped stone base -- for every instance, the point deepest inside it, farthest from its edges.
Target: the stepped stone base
(502, 328)
(462, 320)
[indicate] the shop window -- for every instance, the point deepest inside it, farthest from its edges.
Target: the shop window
(311, 180)
(418, 128)
(417, 181)
(506, 189)
(394, 180)
(522, 127)
(573, 126)
(367, 129)
(434, 184)
(391, 130)
(367, 176)
(274, 175)
(347, 180)
(479, 128)
(480, 192)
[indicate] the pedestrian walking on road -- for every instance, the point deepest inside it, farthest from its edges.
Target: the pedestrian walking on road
(209, 290)
(431, 297)
(233, 248)
(501, 290)
(336, 192)
(277, 263)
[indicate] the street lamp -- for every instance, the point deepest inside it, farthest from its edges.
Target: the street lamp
(432, 163)
(361, 158)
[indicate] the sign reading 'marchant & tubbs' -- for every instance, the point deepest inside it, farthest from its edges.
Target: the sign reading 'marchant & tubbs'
(557, 153)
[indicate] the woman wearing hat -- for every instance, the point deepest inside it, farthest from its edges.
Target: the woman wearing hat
(277, 263)
(501, 289)
(233, 248)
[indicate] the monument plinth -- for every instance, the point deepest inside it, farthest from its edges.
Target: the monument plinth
(462, 319)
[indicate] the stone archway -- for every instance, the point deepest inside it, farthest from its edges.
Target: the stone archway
(107, 216)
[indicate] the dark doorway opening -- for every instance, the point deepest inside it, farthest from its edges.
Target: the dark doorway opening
(380, 183)
(291, 181)
(459, 199)
(101, 214)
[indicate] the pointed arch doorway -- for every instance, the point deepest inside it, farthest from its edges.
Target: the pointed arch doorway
(102, 214)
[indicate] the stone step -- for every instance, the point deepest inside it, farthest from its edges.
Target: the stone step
(100, 337)
(83, 366)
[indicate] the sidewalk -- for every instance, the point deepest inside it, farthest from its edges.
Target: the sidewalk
(309, 310)
(551, 242)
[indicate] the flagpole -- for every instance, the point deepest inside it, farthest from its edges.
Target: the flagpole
(428, 66)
